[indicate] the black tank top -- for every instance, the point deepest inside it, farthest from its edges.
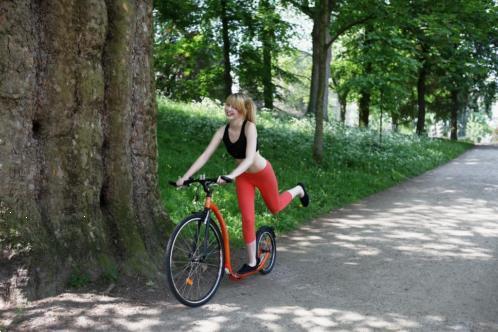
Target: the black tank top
(237, 149)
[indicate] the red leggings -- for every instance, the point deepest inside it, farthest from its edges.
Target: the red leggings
(266, 182)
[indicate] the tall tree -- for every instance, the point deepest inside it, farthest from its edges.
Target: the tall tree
(342, 73)
(376, 66)
(201, 44)
(195, 47)
(424, 23)
(320, 38)
(78, 144)
(470, 53)
(188, 56)
(225, 23)
(264, 37)
(367, 86)
(330, 20)
(267, 36)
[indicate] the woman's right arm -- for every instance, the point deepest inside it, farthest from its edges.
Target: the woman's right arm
(204, 157)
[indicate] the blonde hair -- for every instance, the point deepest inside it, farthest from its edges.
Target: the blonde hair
(243, 104)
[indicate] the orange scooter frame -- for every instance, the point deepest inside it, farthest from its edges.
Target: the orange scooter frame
(209, 204)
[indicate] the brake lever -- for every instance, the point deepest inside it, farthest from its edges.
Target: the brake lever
(173, 183)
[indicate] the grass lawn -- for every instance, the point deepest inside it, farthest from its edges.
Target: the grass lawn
(356, 164)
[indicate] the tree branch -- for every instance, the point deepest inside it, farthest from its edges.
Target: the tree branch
(346, 28)
(303, 7)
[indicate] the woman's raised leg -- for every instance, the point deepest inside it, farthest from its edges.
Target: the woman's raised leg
(268, 186)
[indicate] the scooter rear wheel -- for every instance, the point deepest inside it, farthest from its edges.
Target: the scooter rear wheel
(266, 245)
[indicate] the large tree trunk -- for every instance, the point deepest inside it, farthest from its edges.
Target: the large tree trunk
(421, 99)
(395, 121)
(343, 103)
(364, 108)
(454, 115)
(366, 92)
(226, 49)
(342, 97)
(268, 37)
(267, 77)
(318, 48)
(328, 59)
(314, 70)
(324, 10)
(78, 174)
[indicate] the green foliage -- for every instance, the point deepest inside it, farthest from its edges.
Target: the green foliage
(292, 84)
(187, 63)
(110, 276)
(478, 127)
(455, 42)
(184, 13)
(383, 48)
(78, 279)
(250, 69)
(263, 30)
(110, 272)
(374, 58)
(355, 164)
(188, 47)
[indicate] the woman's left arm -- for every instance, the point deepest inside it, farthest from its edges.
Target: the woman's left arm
(251, 137)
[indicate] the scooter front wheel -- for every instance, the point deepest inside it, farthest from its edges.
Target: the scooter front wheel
(194, 274)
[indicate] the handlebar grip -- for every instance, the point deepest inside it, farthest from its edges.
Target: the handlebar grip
(227, 179)
(185, 183)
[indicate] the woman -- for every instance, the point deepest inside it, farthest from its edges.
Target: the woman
(252, 171)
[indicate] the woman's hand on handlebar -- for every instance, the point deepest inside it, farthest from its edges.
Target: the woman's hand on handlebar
(224, 179)
(180, 182)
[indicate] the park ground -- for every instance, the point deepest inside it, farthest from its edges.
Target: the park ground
(420, 256)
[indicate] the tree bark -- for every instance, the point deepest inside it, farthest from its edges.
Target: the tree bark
(78, 144)
(395, 121)
(226, 49)
(364, 108)
(314, 71)
(328, 58)
(343, 106)
(421, 99)
(318, 48)
(267, 77)
(366, 92)
(454, 115)
(268, 37)
(324, 10)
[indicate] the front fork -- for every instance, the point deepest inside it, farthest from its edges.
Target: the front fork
(206, 219)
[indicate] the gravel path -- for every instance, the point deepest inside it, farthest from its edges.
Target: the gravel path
(421, 256)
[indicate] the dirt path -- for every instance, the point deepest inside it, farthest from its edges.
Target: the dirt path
(422, 256)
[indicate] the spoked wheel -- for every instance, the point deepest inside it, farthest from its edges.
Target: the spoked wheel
(193, 273)
(266, 245)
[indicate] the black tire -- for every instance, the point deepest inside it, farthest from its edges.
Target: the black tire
(266, 243)
(185, 268)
